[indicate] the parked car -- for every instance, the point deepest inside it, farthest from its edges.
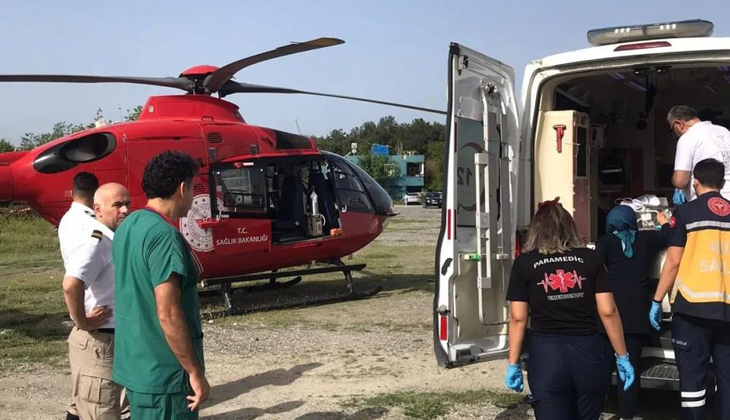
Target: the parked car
(433, 199)
(411, 198)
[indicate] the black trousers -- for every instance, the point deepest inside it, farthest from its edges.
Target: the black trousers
(628, 400)
(695, 340)
(569, 376)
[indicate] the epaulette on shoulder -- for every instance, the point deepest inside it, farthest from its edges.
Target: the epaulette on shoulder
(97, 234)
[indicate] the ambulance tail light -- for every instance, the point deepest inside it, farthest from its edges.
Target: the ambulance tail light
(681, 29)
(443, 327)
(518, 244)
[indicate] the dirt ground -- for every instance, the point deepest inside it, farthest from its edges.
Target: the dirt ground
(359, 360)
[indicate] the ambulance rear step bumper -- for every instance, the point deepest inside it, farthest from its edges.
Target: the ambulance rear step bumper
(658, 374)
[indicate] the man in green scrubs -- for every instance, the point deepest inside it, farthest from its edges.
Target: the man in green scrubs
(158, 351)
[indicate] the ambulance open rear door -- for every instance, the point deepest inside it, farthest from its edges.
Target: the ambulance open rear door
(476, 243)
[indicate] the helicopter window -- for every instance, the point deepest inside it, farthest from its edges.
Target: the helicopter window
(351, 191)
(347, 181)
(65, 156)
(89, 148)
(357, 202)
(286, 140)
(242, 190)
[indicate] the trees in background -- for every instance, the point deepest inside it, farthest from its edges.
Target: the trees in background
(32, 140)
(379, 167)
(133, 114)
(6, 146)
(423, 137)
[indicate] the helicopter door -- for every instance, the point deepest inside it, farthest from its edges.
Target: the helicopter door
(240, 221)
(476, 242)
(140, 150)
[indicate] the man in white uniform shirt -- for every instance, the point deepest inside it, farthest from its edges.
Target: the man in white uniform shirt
(88, 287)
(73, 223)
(698, 140)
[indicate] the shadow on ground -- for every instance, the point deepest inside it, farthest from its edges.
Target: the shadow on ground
(250, 413)
(364, 414)
(312, 288)
(277, 377)
(653, 405)
(43, 326)
(518, 412)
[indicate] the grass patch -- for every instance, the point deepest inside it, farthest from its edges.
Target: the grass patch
(431, 405)
(33, 316)
(32, 309)
(27, 244)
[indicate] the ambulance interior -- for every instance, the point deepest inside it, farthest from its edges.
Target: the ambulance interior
(603, 136)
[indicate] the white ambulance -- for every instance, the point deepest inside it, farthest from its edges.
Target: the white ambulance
(589, 128)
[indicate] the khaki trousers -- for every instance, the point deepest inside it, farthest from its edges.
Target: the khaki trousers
(95, 395)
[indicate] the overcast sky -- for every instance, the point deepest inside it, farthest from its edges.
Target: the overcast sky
(394, 51)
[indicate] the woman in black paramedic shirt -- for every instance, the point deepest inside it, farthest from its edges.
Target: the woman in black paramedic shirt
(563, 287)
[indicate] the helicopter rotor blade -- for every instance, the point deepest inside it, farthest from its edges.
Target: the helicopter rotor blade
(234, 87)
(218, 78)
(171, 82)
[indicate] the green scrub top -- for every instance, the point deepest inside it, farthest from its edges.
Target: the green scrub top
(147, 249)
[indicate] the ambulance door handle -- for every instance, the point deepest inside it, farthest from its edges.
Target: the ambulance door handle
(445, 267)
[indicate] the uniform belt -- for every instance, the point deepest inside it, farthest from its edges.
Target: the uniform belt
(106, 330)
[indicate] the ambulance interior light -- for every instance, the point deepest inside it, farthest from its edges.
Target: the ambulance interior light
(681, 29)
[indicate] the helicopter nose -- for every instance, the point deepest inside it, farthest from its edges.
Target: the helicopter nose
(7, 187)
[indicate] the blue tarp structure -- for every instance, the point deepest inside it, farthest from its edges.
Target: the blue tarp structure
(380, 150)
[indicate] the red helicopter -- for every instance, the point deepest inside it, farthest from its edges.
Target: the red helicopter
(265, 199)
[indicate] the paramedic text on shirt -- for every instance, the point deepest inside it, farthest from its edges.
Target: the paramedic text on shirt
(698, 140)
(560, 285)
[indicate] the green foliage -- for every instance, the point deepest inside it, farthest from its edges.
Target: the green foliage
(379, 167)
(413, 136)
(133, 114)
(425, 138)
(6, 146)
(434, 165)
(30, 140)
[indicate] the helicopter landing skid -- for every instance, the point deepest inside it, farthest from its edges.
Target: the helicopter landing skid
(271, 285)
(227, 291)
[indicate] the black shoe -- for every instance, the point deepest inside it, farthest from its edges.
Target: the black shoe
(70, 416)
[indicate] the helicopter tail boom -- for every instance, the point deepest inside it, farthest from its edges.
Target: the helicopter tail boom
(7, 186)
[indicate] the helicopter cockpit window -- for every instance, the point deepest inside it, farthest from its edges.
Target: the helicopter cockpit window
(351, 190)
(242, 190)
(65, 156)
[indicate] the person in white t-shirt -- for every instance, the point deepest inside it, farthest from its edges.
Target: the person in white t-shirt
(698, 140)
(88, 288)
